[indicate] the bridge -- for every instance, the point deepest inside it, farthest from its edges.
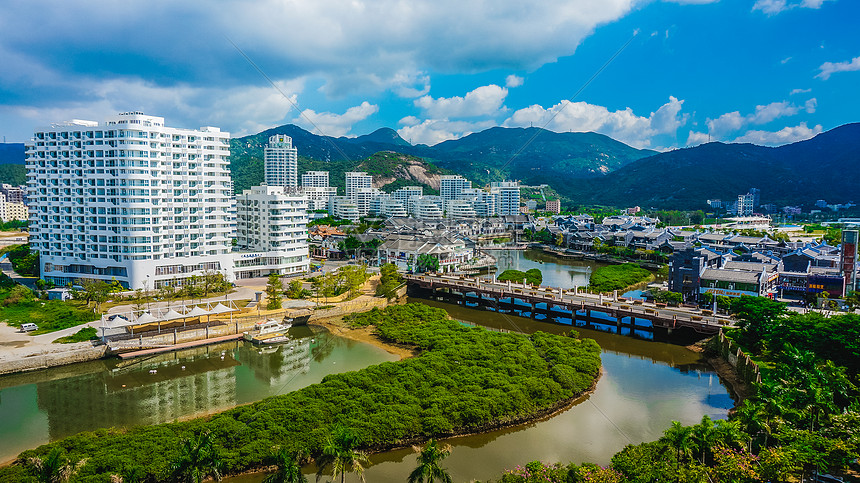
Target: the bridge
(592, 309)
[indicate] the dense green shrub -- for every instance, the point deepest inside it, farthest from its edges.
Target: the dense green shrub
(617, 277)
(531, 276)
(466, 379)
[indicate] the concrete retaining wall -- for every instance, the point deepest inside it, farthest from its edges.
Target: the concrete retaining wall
(53, 359)
(745, 367)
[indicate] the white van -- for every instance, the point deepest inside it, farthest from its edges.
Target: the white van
(29, 327)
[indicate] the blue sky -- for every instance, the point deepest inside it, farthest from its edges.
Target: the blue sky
(763, 71)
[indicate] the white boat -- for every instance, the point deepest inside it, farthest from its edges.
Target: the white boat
(270, 331)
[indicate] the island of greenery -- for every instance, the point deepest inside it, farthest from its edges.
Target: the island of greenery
(618, 277)
(465, 380)
(532, 276)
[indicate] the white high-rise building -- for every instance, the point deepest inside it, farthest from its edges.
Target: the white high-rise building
(281, 162)
(459, 209)
(315, 186)
(507, 197)
(362, 198)
(130, 199)
(428, 207)
(355, 181)
(452, 185)
(483, 202)
(343, 207)
(271, 232)
(315, 179)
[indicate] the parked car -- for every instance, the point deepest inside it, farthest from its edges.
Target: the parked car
(29, 327)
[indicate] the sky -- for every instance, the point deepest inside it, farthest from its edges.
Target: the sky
(657, 74)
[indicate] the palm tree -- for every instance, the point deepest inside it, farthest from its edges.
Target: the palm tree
(680, 438)
(198, 459)
(289, 470)
(339, 454)
(54, 468)
(428, 469)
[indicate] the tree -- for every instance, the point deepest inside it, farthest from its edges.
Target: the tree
(339, 454)
(757, 317)
(389, 280)
(198, 459)
(289, 469)
(54, 468)
(427, 263)
(274, 288)
(295, 290)
(428, 469)
(96, 291)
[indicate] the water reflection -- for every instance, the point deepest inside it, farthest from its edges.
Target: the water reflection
(55, 403)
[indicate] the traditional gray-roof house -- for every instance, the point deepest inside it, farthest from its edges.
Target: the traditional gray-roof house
(404, 250)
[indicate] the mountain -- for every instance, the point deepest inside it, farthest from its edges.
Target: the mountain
(12, 153)
(12, 168)
(824, 167)
(533, 155)
(481, 157)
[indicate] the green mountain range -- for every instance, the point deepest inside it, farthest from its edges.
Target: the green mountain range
(531, 155)
(824, 167)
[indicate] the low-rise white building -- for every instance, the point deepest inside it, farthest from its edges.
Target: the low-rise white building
(427, 207)
(271, 232)
(343, 207)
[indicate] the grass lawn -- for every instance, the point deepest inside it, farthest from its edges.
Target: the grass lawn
(49, 315)
(83, 335)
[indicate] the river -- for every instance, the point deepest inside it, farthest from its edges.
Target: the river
(645, 385)
(50, 404)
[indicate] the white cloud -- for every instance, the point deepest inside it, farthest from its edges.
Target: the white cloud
(770, 7)
(434, 131)
(244, 109)
(513, 81)
(785, 135)
(693, 2)
(799, 91)
(773, 7)
(830, 68)
(785, 60)
(697, 138)
(774, 110)
(763, 114)
(622, 125)
(331, 124)
(482, 101)
(728, 122)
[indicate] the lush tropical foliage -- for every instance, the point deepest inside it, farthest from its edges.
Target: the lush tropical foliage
(465, 380)
(427, 263)
(617, 277)
(429, 459)
(348, 279)
(389, 280)
(804, 417)
(531, 276)
(24, 261)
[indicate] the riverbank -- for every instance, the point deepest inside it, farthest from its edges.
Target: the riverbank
(340, 327)
(570, 254)
(739, 389)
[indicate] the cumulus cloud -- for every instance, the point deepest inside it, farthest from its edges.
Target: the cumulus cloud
(785, 135)
(513, 81)
(482, 101)
(697, 138)
(830, 68)
(331, 124)
(763, 114)
(434, 131)
(244, 109)
(773, 7)
(622, 125)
